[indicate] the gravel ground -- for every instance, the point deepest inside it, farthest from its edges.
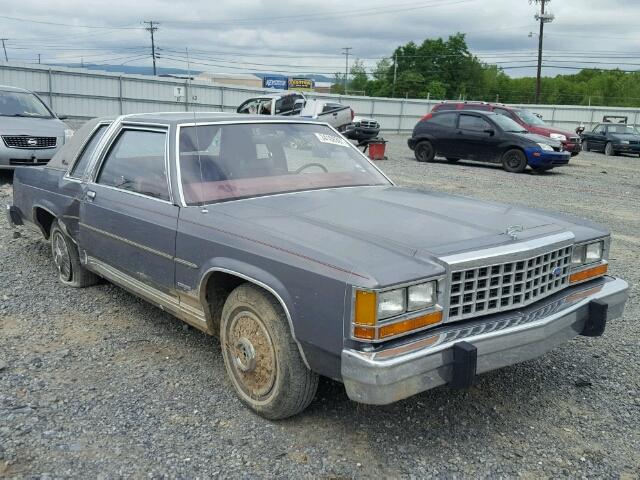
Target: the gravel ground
(96, 383)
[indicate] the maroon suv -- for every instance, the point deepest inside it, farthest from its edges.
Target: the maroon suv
(529, 121)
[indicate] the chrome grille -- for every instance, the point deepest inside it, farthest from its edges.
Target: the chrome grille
(504, 286)
(367, 124)
(25, 141)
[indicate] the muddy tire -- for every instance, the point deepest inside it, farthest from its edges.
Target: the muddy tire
(67, 261)
(262, 359)
(608, 149)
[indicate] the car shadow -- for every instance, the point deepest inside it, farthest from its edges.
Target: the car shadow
(493, 166)
(6, 176)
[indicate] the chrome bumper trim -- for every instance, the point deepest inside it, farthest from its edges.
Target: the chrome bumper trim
(405, 369)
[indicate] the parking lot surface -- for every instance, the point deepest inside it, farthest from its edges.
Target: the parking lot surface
(95, 383)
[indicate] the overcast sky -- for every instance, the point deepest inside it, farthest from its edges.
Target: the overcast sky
(304, 37)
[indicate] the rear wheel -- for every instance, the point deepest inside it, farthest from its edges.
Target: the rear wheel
(608, 149)
(261, 357)
(67, 261)
(424, 151)
(514, 161)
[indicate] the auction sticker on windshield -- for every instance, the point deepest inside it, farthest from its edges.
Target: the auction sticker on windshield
(332, 139)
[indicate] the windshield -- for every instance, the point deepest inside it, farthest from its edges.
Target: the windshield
(228, 162)
(507, 124)
(630, 129)
(22, 104)
(529, 118)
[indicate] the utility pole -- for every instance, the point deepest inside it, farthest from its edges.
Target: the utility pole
(346, 67)
(39, 59)
(153, 26)
(6, 59)
(395, 74)
(542, 18)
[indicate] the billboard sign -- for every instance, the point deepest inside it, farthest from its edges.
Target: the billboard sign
(301, 84)
(279, 83)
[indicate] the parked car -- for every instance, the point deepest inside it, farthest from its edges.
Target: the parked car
(284, 239)
(612, 139)
(362, 129)
(31, 132)
(527, 119)
(486, 137)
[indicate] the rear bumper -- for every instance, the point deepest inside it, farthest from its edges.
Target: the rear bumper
(455, 353)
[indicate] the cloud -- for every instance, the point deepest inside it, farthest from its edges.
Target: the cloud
(303, 36)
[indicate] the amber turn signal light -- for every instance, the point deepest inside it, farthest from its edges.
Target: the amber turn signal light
(366, 306)
(409, 325)
(365, 333)
(589, 273)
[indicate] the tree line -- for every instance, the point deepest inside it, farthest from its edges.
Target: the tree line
(447, 70)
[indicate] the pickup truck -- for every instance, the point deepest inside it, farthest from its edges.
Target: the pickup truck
(290, 104)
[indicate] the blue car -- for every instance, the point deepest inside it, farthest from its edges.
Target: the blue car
(486, 137)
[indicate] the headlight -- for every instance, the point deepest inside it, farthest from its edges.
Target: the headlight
(593, 252)
(421, 296)
(546, 147)
(379, 315)
(587, 262)
(68, 133)
(558, 136)
(391, 303)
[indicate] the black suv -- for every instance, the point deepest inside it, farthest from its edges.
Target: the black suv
(486, 137)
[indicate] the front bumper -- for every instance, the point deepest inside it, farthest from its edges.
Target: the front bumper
(10, 158)
(408, 367)
(572, 147)
(537, 158)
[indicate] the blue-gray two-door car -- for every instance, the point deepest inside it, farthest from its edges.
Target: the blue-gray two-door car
(281, 237)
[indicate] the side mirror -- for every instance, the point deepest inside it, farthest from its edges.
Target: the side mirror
(490, 131)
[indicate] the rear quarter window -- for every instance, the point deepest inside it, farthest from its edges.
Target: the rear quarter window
(444, 119)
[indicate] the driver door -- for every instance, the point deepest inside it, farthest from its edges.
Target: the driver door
(127, 219)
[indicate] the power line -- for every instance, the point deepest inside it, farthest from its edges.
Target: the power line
(16, 19)
(152, 29)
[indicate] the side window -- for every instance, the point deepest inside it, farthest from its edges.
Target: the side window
(444, 119)
(78, 169)
(471, 122)
(600, 130)
(136, 162)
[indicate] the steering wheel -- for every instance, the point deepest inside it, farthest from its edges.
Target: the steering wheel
(309, 165)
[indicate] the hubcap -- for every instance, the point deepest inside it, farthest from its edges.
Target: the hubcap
(251, 355)
(61, 256)
(513, 161)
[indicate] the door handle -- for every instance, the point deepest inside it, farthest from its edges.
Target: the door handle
(91, 195)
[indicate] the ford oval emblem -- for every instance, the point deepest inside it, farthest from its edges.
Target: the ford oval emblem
(557, 271)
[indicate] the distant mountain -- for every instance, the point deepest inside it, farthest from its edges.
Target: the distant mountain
(145, 70)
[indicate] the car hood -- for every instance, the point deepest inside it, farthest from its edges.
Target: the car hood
(538, 138)
(38, 127)
(387, 231)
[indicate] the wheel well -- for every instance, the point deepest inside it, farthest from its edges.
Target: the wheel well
(44, 219)
(513, 147)
(218, 287)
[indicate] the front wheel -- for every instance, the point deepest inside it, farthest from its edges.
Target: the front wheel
(67, 261)
(514, 161)
(608, 149)
(424, 151)
(261, 357)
